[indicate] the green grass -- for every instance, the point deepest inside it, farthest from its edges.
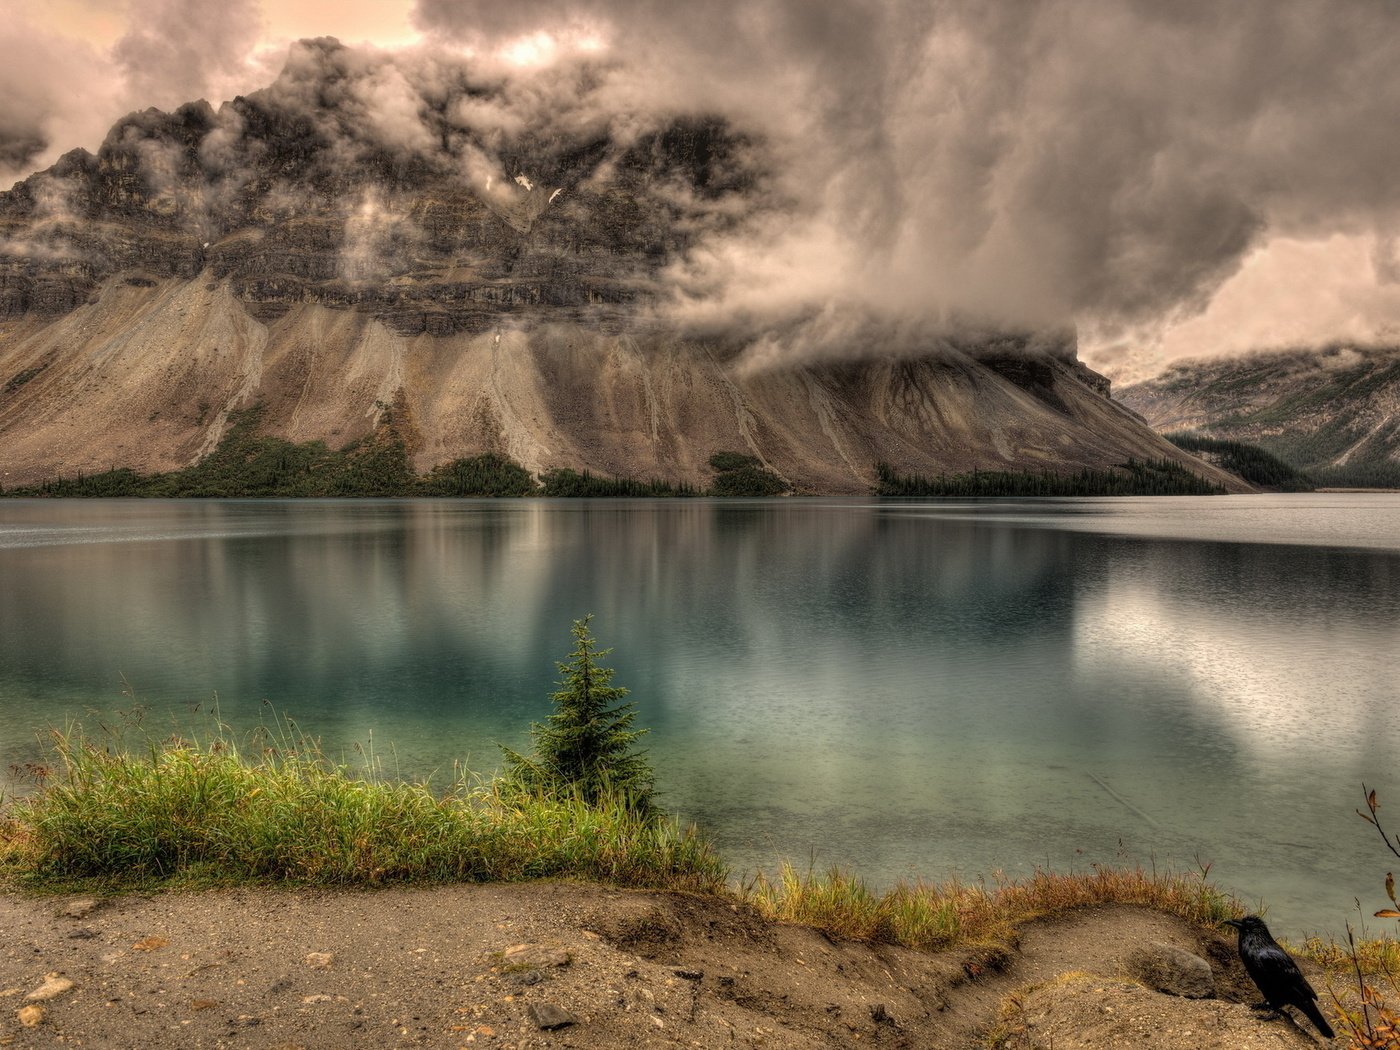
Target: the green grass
(274, 809)
(181, 813)
(281, 811)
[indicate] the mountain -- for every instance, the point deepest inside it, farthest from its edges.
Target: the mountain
(1333, 413)
(362, 234)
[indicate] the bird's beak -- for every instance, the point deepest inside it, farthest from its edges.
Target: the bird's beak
(1235, 923)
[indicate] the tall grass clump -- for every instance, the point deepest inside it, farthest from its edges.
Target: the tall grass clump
(216, 812)
(919, 916)
(938, 916)
(579, 804)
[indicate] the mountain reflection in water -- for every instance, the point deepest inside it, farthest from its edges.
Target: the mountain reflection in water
(907, 689)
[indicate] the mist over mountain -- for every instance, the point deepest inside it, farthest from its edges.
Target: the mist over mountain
(516, 262)
(345, 176)
(1332, 412)
(1167, 179)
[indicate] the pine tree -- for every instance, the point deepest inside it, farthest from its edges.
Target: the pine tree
(585, 746)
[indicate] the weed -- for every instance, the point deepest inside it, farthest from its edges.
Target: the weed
(1366, 1011)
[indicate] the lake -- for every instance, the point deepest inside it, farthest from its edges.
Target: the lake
(905, 688)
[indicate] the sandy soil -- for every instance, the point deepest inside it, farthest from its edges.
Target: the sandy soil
(489, 966)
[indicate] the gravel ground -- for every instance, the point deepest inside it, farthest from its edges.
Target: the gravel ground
(570, 965)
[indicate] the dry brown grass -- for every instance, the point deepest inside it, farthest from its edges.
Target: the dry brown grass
(15, 840)
(1363, 977)
(940, 916)
(1363, 982)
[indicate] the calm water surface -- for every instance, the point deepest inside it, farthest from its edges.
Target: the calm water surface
(905, 688)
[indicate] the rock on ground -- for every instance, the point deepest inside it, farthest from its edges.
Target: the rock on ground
(1167, 968)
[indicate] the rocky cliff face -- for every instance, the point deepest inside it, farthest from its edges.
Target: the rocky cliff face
(301, 249)
(1332, 412)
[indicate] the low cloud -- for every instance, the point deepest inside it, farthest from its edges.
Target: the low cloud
(48, 93)
(1287, 294)
(1110, 163)
(58, 93)
(927, 165)
(177, 51)
(377, 235)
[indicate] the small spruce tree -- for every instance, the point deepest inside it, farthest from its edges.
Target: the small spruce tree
(586, 745)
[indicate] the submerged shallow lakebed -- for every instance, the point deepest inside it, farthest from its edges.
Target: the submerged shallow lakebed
(904, 688)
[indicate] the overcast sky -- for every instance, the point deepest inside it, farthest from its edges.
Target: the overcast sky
(1181, 178)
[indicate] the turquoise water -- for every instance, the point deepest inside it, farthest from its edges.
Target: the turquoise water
(908, 689)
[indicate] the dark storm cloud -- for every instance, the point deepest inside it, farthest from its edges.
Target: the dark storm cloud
(1109, 161)
(929, 163)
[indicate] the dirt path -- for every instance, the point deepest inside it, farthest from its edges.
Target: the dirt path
(485, 966)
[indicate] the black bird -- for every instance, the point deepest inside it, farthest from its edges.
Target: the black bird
(1275, 972)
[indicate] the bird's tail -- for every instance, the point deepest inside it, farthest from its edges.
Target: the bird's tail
(1309, 1007)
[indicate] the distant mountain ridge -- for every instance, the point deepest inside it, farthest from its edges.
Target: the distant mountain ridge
(500, 282)
(1333, 413)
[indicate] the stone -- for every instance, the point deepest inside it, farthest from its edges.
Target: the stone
(1175, 971)
(52, 988)
(880, 1014)
(80, 907)
(30, 1016)
(550, 1017)
(536, 956)
(320, 960)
